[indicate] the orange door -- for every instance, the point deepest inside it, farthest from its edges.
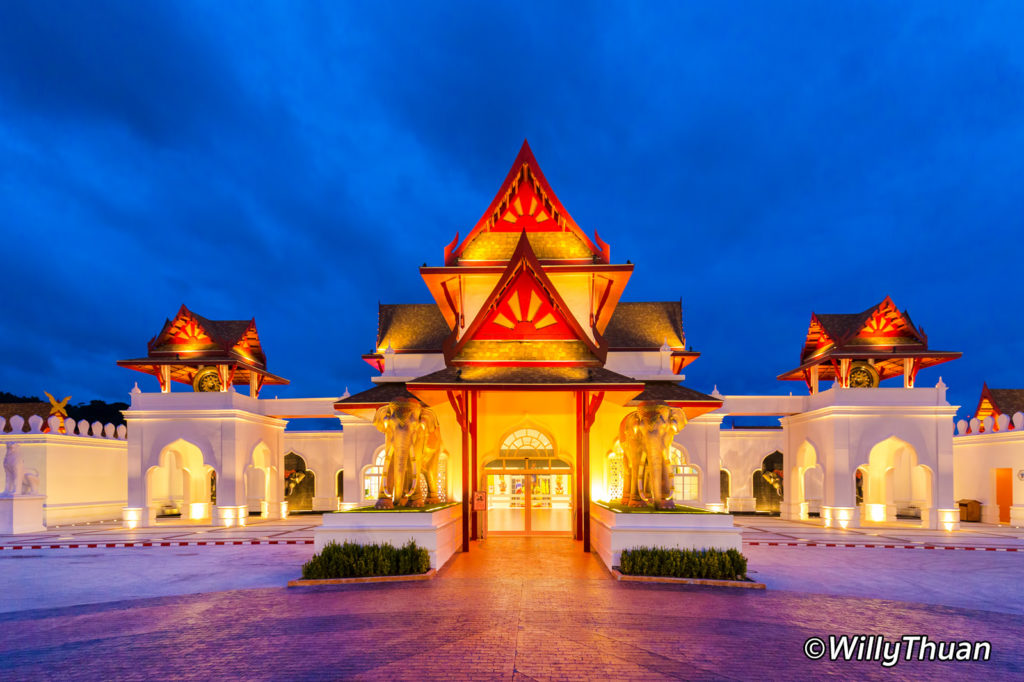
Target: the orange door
(1004, 493)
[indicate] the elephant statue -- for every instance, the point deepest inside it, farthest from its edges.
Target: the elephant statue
(292, 480)
(774, 478)
(412, 448)
(646, 438)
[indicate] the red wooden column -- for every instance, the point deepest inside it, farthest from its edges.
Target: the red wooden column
(586, 412)
(460, 406)
(473, 475)
(580, 507)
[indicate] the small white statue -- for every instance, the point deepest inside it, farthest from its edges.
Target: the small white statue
(20, 481)
(14, 467)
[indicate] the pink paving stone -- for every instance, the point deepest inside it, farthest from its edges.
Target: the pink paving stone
(525, 609)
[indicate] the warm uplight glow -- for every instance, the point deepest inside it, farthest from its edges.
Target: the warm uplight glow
(198, 510)
(284, 510)
(949, 518)
(131, 517)
(716, 507)
(876, 512)
(837, 516)
(232, 516)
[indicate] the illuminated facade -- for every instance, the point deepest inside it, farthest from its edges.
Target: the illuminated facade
(530, 360)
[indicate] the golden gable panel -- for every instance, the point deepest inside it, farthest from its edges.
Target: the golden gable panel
(497, 246)
(525, 351)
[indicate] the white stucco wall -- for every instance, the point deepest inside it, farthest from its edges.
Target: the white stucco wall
(82, 477)
(322, 451)
(231, 433)
(842, 426)
(743, 452)
(976, 456)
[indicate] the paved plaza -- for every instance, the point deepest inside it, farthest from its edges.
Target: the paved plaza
(512, 608)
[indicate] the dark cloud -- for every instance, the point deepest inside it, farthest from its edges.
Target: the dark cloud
(297, 162)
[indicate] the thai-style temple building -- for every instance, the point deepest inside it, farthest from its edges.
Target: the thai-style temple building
(528, 359)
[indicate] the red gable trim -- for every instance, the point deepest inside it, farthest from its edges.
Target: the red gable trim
(529, 287)
(487, 221)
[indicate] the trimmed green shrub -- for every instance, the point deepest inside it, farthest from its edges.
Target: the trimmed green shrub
(351, 560)
(713, 564)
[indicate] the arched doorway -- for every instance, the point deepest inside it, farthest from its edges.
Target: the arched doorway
(529, 487)
(299, 483)
(180, 484)
(262, 483)
(340, 486)
(724, 484)
(767, 484)
(893, 485)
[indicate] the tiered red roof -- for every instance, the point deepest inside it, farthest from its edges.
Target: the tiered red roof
(882, 334)
(191, 341)
(523, 308)
(526, 202)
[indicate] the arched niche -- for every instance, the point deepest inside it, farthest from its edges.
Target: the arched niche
(179, 484)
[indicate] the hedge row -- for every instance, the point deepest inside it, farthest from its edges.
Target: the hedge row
(351, 560)
(713, 564)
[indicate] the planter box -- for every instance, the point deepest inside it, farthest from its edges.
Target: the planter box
(439, 532)
(705, 582)
(611, 532)
(429, 575)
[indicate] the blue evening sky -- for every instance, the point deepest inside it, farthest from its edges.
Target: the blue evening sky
(297, 161)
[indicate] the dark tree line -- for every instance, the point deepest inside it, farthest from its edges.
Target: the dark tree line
(92, 411)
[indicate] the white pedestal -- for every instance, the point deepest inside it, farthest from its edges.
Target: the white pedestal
(325, 504)
(439, 532)
(741, 504)
(21, 514)
(1017, 516)
(793, 511)
(229, 517)
(611, 532)
(840, 517)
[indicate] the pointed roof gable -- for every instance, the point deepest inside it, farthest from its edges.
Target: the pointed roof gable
(189, 332)
(882, 333)
(880, 325)
(525, 309)
(190, 341)
(996, 401)
(526, 203)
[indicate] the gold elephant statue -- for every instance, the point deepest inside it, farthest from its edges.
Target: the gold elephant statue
(646, 438)
(412, 448)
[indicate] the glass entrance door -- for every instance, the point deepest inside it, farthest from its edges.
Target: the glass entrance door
(506, 502)
(529, 497)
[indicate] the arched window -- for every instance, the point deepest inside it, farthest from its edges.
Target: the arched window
(442, 477)
(528, 439)
(685, 477)
(613, 473)
(373, 476)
